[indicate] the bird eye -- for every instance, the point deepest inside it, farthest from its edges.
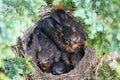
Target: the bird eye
(73, 39)
(67, 42)
(46, 60)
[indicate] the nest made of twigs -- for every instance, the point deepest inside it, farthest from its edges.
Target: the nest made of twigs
(80, 72)
(86, 64)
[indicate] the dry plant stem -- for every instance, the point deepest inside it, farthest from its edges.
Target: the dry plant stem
(95, 70)
(99, 64)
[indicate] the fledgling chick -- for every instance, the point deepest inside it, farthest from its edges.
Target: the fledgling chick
(58, 68)
(73, 32)
(75, 58)
(48, 53)
(50, 28)
(66, 33)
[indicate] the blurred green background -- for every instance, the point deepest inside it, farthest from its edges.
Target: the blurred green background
(101, 20)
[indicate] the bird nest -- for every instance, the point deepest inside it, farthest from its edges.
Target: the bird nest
(80, 72)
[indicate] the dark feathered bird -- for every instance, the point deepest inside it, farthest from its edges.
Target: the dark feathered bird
(63, 30)
(73, 32)
(58, 68)
(48, 54)
(75, 58)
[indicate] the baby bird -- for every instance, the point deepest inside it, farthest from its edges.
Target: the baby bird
(66, 33)
(48, 53)
(75, 58)
(58, 68)
(73, 32)
(50, 28)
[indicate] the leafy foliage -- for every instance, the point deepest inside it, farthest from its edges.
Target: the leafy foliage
(2, 76)
(15, 66)
(105, 72)
(102, 23)
(100, 19)
(15, 17)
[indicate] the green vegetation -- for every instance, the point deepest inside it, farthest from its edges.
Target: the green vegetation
(15, 66)
(15, 17)
(101, 20)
